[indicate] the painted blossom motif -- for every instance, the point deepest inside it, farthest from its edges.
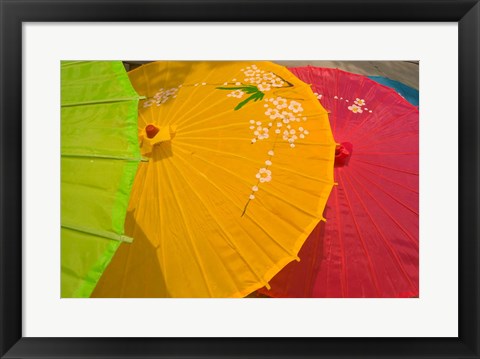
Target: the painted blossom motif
(287, 115)
(284, 121)
(259, 131)
(279, 121)
(148, 103)
(273, 113)
(295, 106)
(355, 109)
(256, 83)
(358, 106)
(161, 96)
(264, 175)
(280, 103)
(264, 79)
(236, 93)
(359, 102)
(264, 87)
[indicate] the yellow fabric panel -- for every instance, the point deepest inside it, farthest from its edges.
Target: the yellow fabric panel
(196, 231)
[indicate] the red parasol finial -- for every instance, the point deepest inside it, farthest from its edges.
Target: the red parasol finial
(342, 153)
(151, 131)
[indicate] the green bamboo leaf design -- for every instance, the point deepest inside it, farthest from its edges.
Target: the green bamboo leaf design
(246, 88)
(251, 89)
(257, 96)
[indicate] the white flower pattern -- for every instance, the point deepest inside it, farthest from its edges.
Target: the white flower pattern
(359, 102)
(236, 93)
(284, 116)
(355, 109)
(295, 106)
(264, 87)
(161, 96)
(358, 106)
(264, 175)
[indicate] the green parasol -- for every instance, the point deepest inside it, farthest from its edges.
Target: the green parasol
(100, 155)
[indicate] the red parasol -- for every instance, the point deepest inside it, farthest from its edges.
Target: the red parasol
(369, 245)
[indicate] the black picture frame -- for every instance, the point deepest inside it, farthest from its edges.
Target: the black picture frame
(15, 12)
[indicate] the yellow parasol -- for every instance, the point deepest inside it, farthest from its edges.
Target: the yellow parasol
(240, 168)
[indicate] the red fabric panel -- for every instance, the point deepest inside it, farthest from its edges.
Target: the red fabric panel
(369, 246)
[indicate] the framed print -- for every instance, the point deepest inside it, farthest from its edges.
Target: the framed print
(224, 110)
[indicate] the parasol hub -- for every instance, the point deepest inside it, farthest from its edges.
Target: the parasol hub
(159, 134)
(343, 152)
(153, 135)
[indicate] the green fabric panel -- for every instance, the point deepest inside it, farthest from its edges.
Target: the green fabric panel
(100, 156)
(95, 193)
(101, 130)
(84, 258)
(95, 82)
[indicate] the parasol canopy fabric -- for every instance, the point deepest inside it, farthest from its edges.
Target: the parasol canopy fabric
(99, 159)
(369, 245)
(409, 93)
(240, 168)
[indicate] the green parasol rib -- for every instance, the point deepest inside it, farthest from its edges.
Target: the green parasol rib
(100, 156)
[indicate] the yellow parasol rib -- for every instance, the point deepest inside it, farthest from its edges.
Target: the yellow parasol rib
(240, 168)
